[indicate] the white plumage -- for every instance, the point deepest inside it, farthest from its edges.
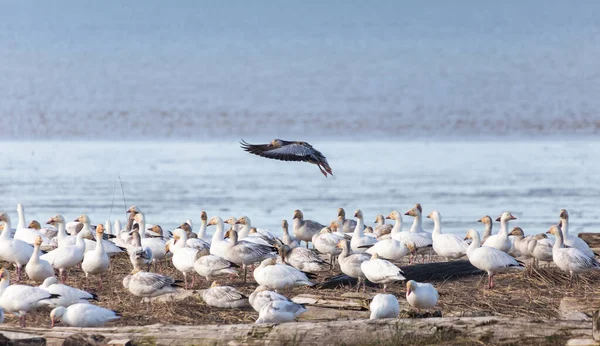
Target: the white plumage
(571, 260)
(224, 297)
(83, 315)
(381, 271)
(280, 311)
(262, 296)
(359, 239)
(384, 306)
(66, 295)
(501, 241)
(20, 299)
(450, 246)
(279, 276)
(421, 295)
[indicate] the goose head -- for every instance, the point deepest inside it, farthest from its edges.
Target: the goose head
(341, 213)
(343, 244)
(333, 226)
(369, 229)
(186, 227)
(325, 230)
(34, 225)
(203, 216)
(133, 209)
(231, 220)
(100, 229)
(358, 214)
(506, 216)
(139, 217)
(379, 219)
(394, 215)
(156, 229)
(374, 256)
(4, 217)
(37, 241)
(20, 208)
(555, 230)
(83, 218)
(261, 288)
(215, 220)
(56, 314)
(244, 220)
(214, 284)
(298, 214)
(518, 231)
(56, 219)
(410, 286)
(434, 215)
(284, 224)
(486, 220)
(540, 236)
(471, 234)
(415, 211)
(253, 230)
(564, 215)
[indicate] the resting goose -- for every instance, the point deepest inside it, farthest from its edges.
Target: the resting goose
(326, 242)
(305, 229)
(262, 296)
(489, 259)
(302, 259)
(49, 232)
(287, 239)
(37, 269)
(65, 257)
(25, 233)
(417, 240)
(280, 311)
(572, 260)
(359, 239)
(96, 262)
(571, 240)
(421, 295)
(381, 227)
(210, 266)
(140, 256)
(345, 225)
(224, 297)
(488, 223)
(350, 263)
(450, 246)
(521, 243)
(540, 248)
(144, 284)
(501, 241)
(380, 271)
(279, 276)
(244, 253)
(20, 299)
(183, 257)
(65, 295)
(82, 315)
(384, 306)
(417, 228)
(202, 246)
(218, 244)
(12, 250)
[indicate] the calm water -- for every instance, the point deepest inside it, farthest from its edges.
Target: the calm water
(175, 181)
(200, 70)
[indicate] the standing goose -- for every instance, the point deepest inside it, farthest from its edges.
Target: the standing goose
(218, 244)
(280, 311)
(210, 266)
(82, 315)
(66, 295)
(279, 276)
(384, 306)
(252, 234)
(183, 256)
(381, 227)
(63, 258)
(109, 247)
(287, 239)
(571, 240)
(305, 229)
(28, 234)
(96, 262)
(20, 299)
(417, 229)
(37, 269)
(326, 242)
(345, 225)
(12, 250)
(420, 242)
(540, 248)
(501, 241)
(380, 271)
(359, 239)
(262, 296)
(140, 256)
(489, 259)
(350, 263)
(421, 295)
(487, 222)
(282, 150)
(302, 259)
(157, 245)
(244, 253)
(203, 224)
(446, 245)
(521, 242)
(572, 260)
(202, 246)
(224, 297)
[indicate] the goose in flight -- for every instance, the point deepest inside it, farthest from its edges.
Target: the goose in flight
(282, 150)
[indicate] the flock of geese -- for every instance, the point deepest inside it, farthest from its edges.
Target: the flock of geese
(277, 263)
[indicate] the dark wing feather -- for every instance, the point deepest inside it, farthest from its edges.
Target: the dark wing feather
(289, 152)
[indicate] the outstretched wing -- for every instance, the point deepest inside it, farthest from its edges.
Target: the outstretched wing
(294, 151)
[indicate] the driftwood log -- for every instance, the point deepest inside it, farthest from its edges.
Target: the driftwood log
(592, 239)
(483, 330)
(425, 272)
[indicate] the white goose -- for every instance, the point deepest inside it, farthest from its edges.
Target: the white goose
(65, 295)
(540, 248)
(157, 245)
(183, 257)
(65, 257)
(202, 246)
(305, 229)
(384, 306)
(422, 242)
(262, 296)
(13, 250)
(381, 271)
(203, 224)
(359, 239)
(381, 227)
(287, 239)
(141, 257)
(489, 259)
(49, 232)
(571, 240)
(501, 241)
(96, 262)
(521, 242)
(280, 311)
(82, 315)
(210, 266)
(279, 276)
(244, 253)
(421, 295)
(252, 234)
(572, 260)
(145, 284)
(90, 243)
(488, 223)
(25, 233)
(218, 243)
(345, 225)
(224, 297)
(417, 228)
(446, 245)
(37, 269)
(350, 263)
(302, 259)
(326, 242)
(20, 299)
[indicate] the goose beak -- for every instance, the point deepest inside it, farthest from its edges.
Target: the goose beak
(498, 219)
(479, 220)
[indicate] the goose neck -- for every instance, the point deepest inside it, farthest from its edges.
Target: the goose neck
(360, 226)
(21, 223)
(397, 226)
(202, 231)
